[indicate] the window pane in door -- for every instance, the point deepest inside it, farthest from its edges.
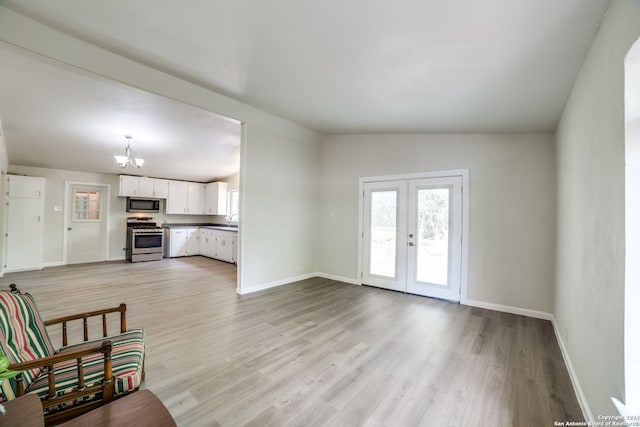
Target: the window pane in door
(432, 249)
(87, 206)
(384, 210)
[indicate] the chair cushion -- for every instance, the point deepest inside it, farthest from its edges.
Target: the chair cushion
(127, 357)
(23, 336)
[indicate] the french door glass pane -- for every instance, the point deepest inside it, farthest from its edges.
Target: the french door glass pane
(383, 233)
(432, 250)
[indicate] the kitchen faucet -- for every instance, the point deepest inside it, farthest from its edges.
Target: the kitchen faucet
(230, 218)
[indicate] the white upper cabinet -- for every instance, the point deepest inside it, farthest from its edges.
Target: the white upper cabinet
(161, 188)
(216, 198)
(128, 186)
(183, 197)
(145, 187)
(25, 187)
(195, 200)
(177, 202)
(139, 186)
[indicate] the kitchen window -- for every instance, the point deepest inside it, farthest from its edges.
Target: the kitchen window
(232, 206)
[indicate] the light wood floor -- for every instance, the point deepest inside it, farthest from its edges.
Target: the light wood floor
(318, 352)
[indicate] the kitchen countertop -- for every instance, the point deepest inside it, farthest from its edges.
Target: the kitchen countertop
(222, 227)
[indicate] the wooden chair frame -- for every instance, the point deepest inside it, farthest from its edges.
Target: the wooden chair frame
(106, 388)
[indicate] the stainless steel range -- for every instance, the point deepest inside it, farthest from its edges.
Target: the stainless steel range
(145, 240)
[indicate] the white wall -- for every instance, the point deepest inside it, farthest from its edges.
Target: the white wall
(279, 237)
(512, 205)
(53, 250)
(589, 295)
(268, 136)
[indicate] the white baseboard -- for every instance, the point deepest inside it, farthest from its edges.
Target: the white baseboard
(61, 263)
(19, 270)
(582, 400)
(339, 278)
(264, 286)
(508, 309)
(52, 264)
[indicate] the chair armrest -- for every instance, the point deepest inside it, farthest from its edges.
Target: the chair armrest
(92, 348)
(122, 309)
(76, 354)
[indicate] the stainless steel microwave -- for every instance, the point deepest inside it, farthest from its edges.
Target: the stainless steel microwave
(142, 205)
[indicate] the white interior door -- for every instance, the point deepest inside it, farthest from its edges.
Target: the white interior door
(86, 224)
(412, 236)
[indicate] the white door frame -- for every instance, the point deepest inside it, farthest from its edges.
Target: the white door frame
(464, 173)
(65, 238)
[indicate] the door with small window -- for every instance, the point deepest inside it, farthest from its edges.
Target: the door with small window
(86, 224)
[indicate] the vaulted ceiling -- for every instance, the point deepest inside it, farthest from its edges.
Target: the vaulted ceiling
(334, 66)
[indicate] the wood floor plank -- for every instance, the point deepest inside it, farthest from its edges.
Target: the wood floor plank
(317, 352)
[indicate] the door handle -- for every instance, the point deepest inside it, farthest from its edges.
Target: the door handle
(68, 228)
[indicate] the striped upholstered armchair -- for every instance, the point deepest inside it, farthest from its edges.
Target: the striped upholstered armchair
(74, 378)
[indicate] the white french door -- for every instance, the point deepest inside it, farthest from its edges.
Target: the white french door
(412, 236)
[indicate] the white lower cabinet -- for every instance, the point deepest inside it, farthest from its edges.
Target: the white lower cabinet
(207, 243)
(235, 248)
(218, 244)
(183, 242)
(212, 243)
(224, 246)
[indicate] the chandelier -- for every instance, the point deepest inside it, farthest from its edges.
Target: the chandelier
(123, 161)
